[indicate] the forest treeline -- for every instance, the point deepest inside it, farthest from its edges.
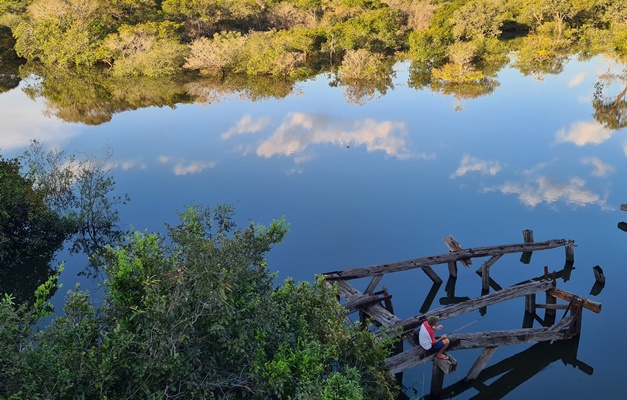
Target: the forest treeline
(177, 51)
(454, 39)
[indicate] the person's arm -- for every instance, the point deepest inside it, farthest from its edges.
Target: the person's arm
(439, 339)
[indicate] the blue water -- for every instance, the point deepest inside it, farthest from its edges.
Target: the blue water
(385, 181)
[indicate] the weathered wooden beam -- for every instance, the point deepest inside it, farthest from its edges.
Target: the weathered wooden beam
(418, 355)
(365, 301)
(354, 273)
(623, 207)
(470, 305)
(373, 284)
(431, 274)
(564, 295)
(553, 306)
(376, 311)
(481, 362)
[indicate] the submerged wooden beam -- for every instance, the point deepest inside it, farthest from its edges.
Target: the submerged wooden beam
(354, 273)
(418, 355)
(473, 304)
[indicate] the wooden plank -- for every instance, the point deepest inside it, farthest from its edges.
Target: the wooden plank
(373, 284)
(623, 207)
(453, 245)
(470, 305)
(481, 362)
(418, 355)
(564, 295)
(361, 272)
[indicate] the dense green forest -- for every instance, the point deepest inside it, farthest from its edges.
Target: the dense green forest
(126, 54)
(191, 314)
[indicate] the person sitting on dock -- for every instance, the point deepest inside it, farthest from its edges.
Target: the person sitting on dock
(427, 339)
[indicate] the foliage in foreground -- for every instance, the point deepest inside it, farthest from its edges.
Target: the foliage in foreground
(194, 315)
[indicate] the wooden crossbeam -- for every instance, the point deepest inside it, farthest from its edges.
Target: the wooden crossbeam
(470, 305)
(354, 273)
(564, 295)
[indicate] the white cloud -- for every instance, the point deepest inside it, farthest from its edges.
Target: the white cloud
(24, 120)
(600, 168)
(302, 130)
(583, 133)
(577, 79)
(472, 164)
(246, 125)
(543, 190)
(193, 167)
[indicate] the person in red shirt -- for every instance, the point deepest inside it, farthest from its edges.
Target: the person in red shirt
(427, 339)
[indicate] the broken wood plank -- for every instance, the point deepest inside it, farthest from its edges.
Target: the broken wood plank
(361, 272)
(564, 295)
(473, 304)
(453, 245)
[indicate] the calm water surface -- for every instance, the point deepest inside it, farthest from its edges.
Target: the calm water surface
(385, 181)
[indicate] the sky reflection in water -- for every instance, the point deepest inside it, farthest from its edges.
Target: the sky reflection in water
(385, 181)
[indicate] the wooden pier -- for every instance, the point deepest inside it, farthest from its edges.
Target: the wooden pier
(376, 306)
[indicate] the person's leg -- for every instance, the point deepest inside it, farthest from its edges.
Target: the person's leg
(441, 354)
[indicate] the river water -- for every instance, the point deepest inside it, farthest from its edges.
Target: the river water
(384, 180)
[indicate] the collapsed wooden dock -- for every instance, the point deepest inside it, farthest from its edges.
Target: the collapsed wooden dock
(376, 306)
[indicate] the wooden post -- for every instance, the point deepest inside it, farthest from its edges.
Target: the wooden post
(623, 207)
(481, 362)
(550, 312)
(622, 226)
(570, 251)
(530, 303)
(598, 274)
(525, 257)
(437, 379)
(452, 269)
(485, 277)
(484, 310)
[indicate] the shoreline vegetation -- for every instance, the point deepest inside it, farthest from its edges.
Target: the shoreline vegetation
(181, 51)
(193, 313)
